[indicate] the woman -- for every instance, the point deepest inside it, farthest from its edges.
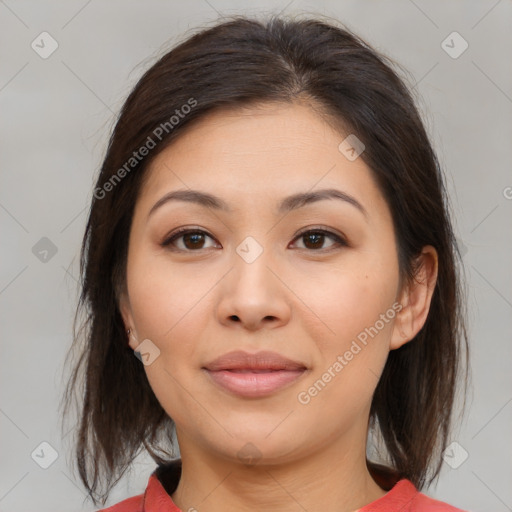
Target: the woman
(269, 236)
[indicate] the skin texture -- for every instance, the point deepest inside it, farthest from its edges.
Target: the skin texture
(306, 300)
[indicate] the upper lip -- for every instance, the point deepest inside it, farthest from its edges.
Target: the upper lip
(240, 360)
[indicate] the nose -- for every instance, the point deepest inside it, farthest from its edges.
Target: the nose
(254, 295)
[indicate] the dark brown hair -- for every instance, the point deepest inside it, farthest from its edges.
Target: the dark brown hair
(242, 62)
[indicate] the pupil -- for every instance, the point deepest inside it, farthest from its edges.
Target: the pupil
(315, 238)
(194, 237)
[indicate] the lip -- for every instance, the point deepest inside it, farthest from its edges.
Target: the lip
(254, 375)
(264, 360)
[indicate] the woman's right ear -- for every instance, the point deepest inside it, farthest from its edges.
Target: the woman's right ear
(126, 314)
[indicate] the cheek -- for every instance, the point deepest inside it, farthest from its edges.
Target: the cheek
(346, 299)
(355, 305)
(171, 307)
(172, 313)
(162, 297)
(358, 308)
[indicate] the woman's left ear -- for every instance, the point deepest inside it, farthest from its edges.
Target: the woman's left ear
(415, 299)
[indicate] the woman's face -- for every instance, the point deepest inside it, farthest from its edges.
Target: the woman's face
(315, 281)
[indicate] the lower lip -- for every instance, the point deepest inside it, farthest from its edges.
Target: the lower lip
(254, 384)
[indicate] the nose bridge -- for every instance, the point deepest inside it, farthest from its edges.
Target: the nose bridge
(252, 293)
(251, 267)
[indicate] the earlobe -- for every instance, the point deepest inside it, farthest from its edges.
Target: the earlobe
(132, 341)
(126, 314)
(415, 299)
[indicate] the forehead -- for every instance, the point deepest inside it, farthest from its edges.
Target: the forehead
(258, 153)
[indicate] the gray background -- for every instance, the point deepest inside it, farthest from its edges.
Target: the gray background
(55, 122)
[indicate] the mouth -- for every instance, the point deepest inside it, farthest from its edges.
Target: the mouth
(254, 375)
(254, 383)
(253, 370)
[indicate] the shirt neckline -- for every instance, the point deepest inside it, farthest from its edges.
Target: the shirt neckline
(164, 481)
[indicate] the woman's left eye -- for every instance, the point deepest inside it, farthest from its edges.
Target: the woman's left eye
(315, 238)
(190, 240)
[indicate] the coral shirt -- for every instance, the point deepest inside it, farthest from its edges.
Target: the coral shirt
(403, 496)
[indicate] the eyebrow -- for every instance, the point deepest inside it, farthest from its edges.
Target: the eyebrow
(288, 204)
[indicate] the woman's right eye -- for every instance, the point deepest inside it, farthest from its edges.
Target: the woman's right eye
(187, 240)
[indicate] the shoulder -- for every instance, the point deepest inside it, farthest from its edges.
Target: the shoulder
(404, 496)
(424, 503)
(405, 493)
(155, 497)
(133, 504)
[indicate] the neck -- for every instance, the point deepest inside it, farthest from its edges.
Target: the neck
(334, 478)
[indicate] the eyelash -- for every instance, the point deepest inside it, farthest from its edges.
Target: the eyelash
(183, 231)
